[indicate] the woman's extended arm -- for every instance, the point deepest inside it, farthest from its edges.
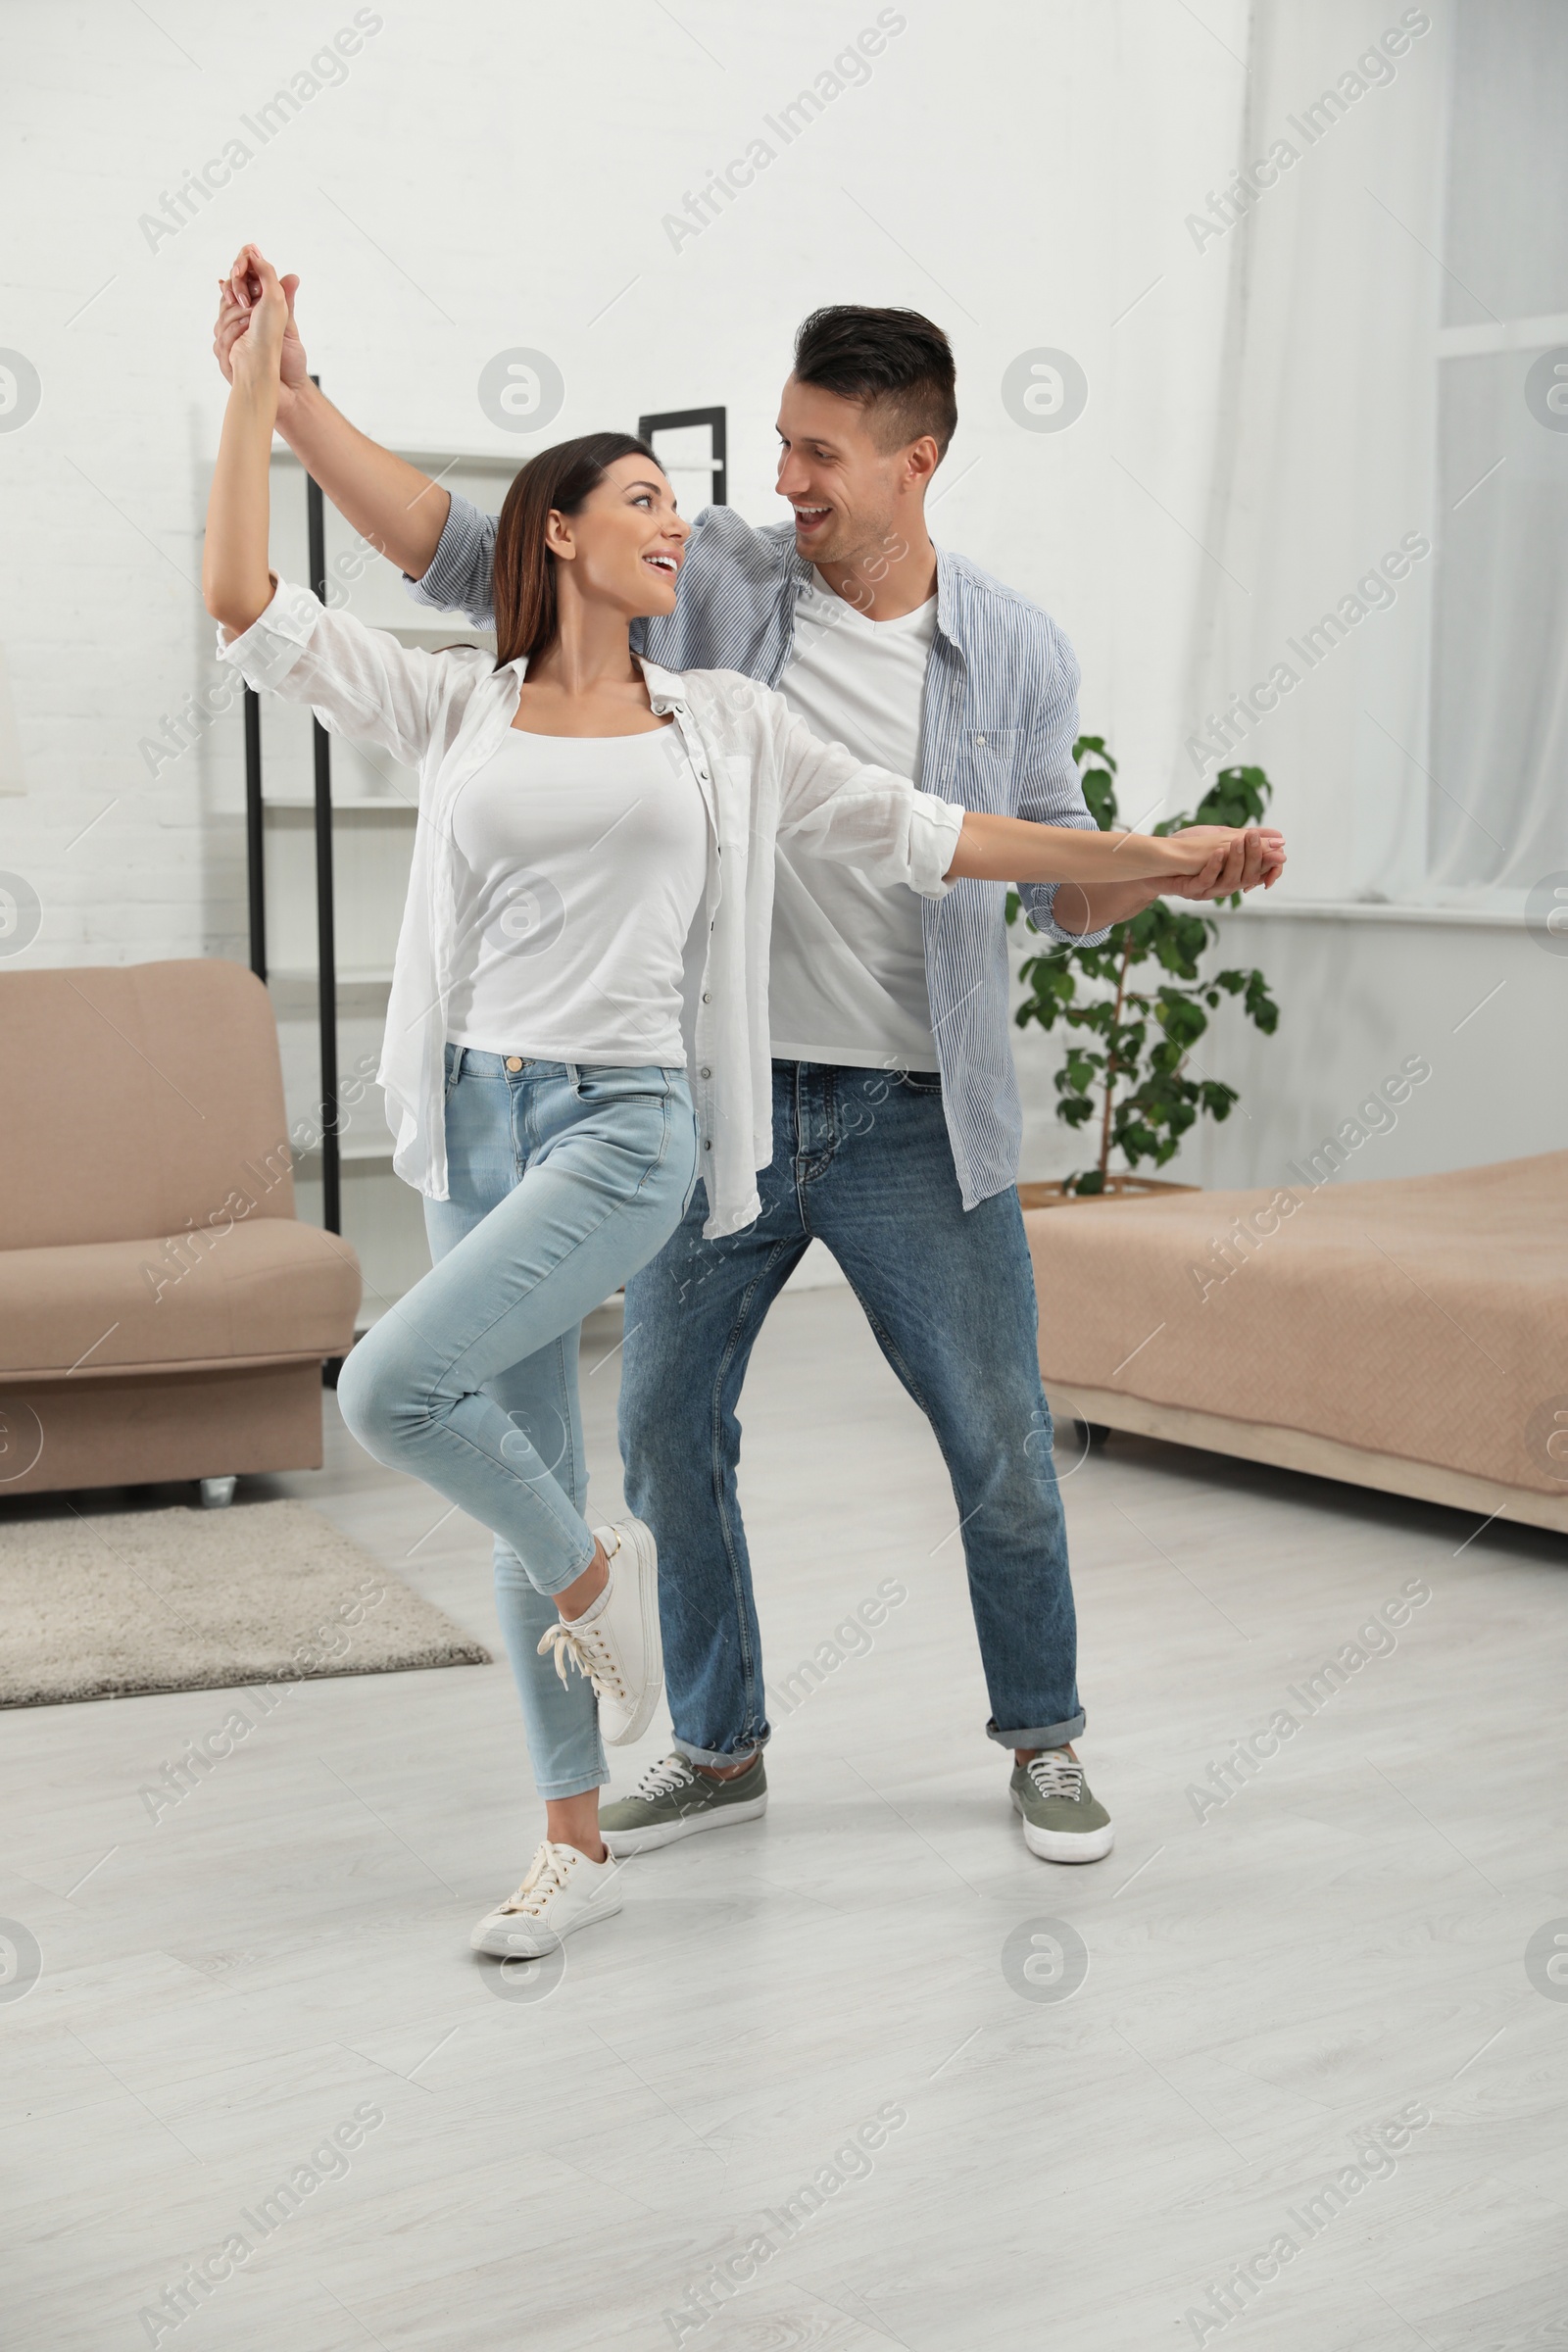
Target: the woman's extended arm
(235, 579)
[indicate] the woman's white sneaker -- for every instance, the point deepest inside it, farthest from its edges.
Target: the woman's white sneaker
(563, 1892)
(616, 1643)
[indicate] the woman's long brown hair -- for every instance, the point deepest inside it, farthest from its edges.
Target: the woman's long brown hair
(559, 480)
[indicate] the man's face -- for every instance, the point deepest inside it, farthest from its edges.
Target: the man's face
(849, 494)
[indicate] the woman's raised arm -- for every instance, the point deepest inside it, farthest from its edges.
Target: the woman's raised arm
(236, 583)
(360, 681)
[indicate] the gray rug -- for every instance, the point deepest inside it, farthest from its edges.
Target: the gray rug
(101, 1606)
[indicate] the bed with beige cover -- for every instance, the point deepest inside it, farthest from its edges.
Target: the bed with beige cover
(1409, 1333)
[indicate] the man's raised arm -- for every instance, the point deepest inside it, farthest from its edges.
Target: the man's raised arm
(398, 509)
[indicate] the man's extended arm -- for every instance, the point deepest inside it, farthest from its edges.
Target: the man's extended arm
(1052, 794)
(391, 504)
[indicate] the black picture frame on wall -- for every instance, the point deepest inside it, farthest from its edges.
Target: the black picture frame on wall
(716, 461)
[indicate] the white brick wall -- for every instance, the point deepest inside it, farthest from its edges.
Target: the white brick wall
(493, 175)
(515, 168)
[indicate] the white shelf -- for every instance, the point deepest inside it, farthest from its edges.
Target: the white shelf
(304, 802)
(471, 460)
(1375, 910)
(364, 1149)
(305, 976)
(431, 461)
(431, 636)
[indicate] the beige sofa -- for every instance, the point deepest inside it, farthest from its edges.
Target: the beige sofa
(163, 1316)
(1410, 1334)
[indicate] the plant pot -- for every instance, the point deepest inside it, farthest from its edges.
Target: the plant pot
(1117, 1188)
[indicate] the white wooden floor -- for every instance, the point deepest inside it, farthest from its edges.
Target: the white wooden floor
(1342, 1941)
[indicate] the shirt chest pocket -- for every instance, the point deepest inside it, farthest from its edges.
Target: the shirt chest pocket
(989, 756)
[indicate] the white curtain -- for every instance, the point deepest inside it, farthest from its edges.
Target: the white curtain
(1498, 816)
(1314, 628)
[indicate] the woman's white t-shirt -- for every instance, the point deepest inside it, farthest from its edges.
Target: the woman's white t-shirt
(580, 863)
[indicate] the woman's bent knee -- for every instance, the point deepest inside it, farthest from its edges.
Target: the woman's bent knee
(375, 1397)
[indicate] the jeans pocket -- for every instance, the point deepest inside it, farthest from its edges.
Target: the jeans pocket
(607, 1081)
(693, 1179)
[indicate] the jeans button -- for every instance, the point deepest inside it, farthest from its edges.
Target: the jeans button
(513, 1061)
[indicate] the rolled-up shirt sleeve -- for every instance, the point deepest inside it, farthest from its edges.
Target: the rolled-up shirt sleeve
(463, 566)
(360, 682)
(842, 808)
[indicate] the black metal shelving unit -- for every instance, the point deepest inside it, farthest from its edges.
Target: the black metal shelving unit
(326, 938)
(326, 932)
(255, 866)
(326, 935)
(717, 462)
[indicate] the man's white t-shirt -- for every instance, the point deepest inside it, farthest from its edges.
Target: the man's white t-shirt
(848, 980)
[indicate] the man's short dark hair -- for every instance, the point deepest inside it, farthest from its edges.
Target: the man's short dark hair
(896, 364)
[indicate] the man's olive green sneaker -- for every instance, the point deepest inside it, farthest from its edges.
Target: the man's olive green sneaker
(1062, 1821)
(673, 1799)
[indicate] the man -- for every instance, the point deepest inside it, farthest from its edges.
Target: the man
(897, 1119)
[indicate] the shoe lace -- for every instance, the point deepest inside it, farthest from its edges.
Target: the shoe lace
(586, 1647)
(1056, 1774)
(662, 1779)
(547, 1875)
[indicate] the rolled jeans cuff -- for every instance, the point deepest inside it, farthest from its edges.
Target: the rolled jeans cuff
(1050, 1734)
(554, 1794)
(716, 1756)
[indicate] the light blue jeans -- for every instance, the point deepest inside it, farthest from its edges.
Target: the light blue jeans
(564, 1180)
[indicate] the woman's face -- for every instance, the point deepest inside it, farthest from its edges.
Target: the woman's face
(624, 545)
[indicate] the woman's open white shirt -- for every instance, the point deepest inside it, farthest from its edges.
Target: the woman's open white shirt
(762, 773)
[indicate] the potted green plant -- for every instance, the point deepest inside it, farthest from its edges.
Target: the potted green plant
(1130, 1038)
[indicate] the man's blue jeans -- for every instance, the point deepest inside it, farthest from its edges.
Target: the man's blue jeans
(861, 1160)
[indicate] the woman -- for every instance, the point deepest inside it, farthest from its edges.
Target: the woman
(580, 812)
